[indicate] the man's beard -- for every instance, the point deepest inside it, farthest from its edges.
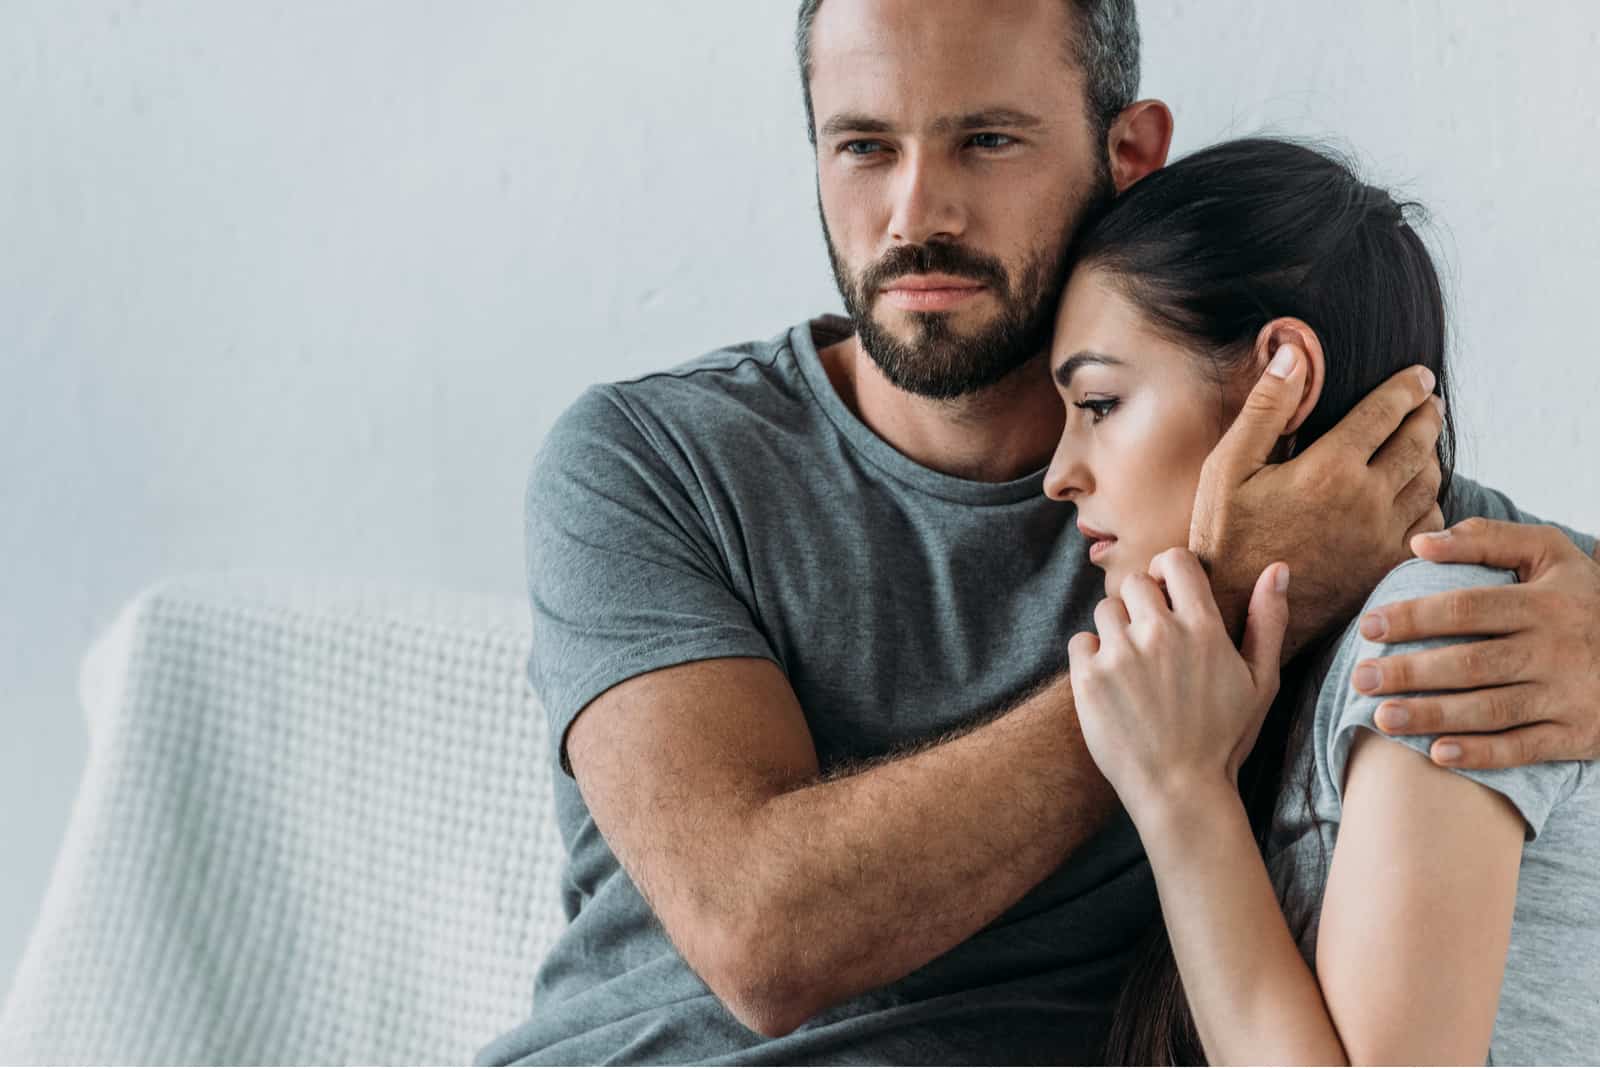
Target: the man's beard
(938, 362)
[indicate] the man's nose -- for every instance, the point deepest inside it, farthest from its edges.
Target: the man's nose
(926, 205)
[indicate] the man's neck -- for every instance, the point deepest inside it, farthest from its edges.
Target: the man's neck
(1001, 434)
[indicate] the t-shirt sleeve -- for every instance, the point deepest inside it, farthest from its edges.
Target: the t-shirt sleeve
(1535, 790)
(1467, 499)
(624, 575)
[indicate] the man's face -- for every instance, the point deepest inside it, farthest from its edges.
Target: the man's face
(955, 158)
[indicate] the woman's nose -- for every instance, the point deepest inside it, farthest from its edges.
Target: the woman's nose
(1067, 479)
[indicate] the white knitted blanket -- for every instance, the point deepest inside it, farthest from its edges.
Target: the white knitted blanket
(315, 827)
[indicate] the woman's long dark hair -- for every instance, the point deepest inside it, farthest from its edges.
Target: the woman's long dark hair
(1210, 249)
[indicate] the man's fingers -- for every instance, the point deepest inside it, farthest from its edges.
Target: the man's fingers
(1428, 524)
(1409, 460)
(1475, 612)
(1469, 666)
(1534, 744)
(1475, 711)
(1520, 547)
(1421, 494)
(1379, 414)
(1265, 625)
(1244, 449)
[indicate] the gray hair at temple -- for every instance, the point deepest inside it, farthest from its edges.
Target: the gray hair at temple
(1104, 45)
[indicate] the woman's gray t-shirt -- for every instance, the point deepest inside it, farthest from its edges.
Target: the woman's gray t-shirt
(1550, 998)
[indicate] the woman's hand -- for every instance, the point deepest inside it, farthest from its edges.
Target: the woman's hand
(1167, 705)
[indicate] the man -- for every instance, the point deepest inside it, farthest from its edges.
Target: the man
(801, 606)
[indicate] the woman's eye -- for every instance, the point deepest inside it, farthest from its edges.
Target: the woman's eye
(1100, 407)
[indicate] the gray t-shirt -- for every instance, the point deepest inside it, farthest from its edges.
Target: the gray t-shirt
(1550, 997)
(733, 506)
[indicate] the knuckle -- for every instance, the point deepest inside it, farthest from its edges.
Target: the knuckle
(1394, 674)
(1402, 619)
(1500, 711)
(1513, 659)
(1424, 716)
(1460, 609)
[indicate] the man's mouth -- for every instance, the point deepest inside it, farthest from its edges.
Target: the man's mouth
(931, 292)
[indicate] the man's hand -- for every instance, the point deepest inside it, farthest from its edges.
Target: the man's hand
(1340, 514)
(1535, 677)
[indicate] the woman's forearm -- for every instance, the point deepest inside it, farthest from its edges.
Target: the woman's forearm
(1253, 997)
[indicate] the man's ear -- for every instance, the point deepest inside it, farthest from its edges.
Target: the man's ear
(1138, 142)
(1296, 332)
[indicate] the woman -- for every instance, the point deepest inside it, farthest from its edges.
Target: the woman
(1329, 894)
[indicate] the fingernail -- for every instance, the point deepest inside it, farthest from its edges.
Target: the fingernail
(1374, 626)
(1448, 752)
(1282, 365)
(1283, 579)
(1438, 535)
(1392, 717)
(1428, 378)
(1367, 678)
(1438, 403)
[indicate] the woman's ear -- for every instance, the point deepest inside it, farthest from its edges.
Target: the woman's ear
(1296, 332)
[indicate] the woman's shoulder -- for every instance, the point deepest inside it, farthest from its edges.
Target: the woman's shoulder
(1423, 578)
(1340, 711)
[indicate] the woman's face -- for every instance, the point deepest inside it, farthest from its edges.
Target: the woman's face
(1141, 418)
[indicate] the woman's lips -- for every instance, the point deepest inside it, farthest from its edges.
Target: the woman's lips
(1100, 542)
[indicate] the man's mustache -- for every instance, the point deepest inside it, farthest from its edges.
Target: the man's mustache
(954, 260)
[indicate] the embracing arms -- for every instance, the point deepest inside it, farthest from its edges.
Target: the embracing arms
(788, 893)
(1533, 679)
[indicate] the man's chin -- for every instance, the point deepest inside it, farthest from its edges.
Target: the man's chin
(921, 327)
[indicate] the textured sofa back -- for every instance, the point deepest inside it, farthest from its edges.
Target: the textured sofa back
(315, 826)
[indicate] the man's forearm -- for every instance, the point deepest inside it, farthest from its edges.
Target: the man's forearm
(854, 882)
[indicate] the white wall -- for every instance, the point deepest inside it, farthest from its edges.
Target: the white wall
(303, 285)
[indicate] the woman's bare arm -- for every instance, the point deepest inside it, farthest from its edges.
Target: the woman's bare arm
(1415, 923)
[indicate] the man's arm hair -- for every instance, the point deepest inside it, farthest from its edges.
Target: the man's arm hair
(789, 892)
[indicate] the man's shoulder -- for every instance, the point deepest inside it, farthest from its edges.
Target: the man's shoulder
(712, 405)
(746, 371)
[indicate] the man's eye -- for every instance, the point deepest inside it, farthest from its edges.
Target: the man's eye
(1099, 408)
(860, 148)
(988, 140)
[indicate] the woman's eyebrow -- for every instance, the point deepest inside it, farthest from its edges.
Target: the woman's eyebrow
(1070, 365)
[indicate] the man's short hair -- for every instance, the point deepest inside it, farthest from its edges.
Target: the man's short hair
(1104, 45)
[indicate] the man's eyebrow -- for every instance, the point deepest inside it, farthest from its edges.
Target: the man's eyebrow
(858, 122)
(1070, 365)
(984, 120)
(854, 122)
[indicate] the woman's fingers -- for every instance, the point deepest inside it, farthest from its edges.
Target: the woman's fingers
(1111, 621)
(1144, 598)
(1081, 649)
(1187, 586)
(1266, 625)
